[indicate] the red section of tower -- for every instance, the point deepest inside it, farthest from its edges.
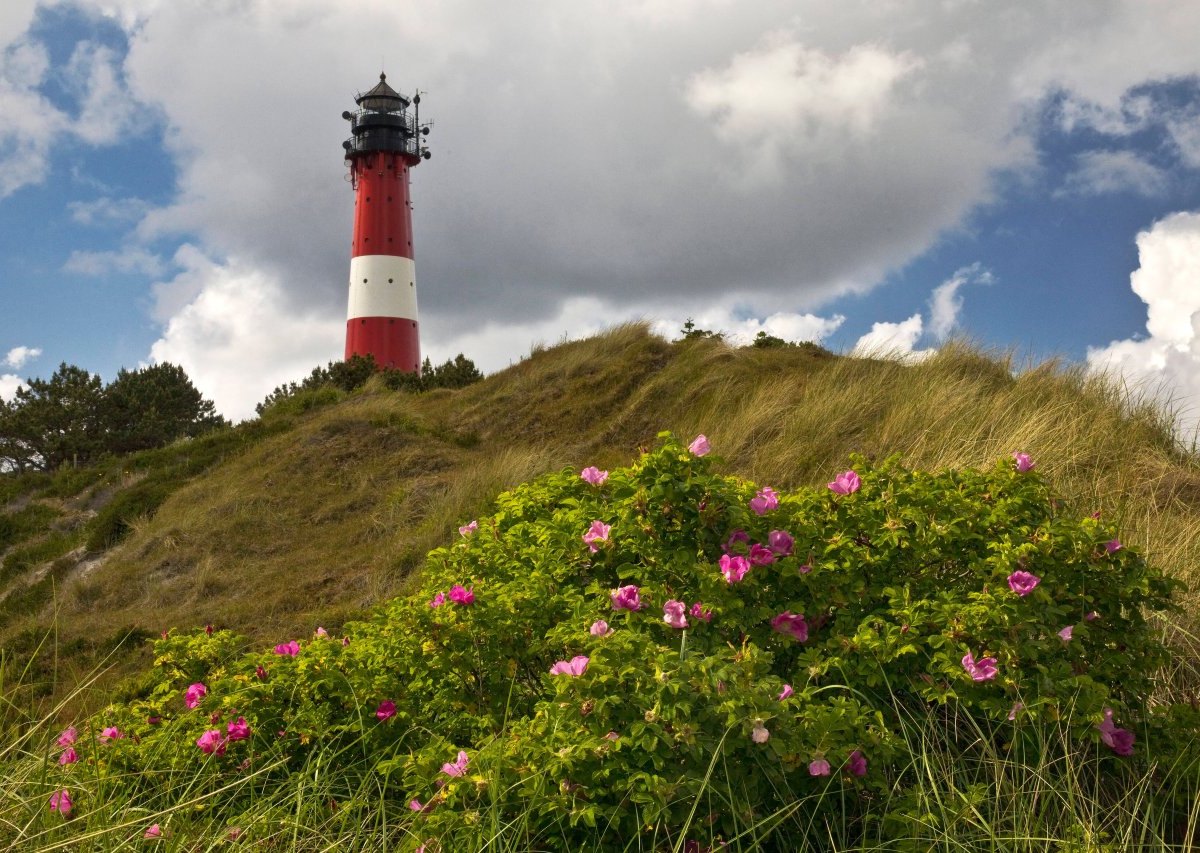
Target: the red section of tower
(382, 213)
(387, 142)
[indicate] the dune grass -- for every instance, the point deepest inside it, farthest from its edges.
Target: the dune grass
(968, 788)
(307, 518)
(316, 514)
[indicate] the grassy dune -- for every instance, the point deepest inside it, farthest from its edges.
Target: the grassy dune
(315, 515)
(329, 504)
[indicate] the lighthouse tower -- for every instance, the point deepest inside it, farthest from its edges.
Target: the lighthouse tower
(387, 140)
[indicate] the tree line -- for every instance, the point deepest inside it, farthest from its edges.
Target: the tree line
(73, 418)
(353, 373)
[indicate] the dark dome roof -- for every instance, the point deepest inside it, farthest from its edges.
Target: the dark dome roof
(382, 98)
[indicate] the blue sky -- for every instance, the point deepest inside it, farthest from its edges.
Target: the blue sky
(868, 175)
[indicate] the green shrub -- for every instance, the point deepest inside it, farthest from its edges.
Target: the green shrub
(112, 523)
(20, 525)
(22, 559)
(783, 704)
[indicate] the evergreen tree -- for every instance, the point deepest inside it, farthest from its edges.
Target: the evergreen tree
(458, 372)
(152, 407)
(53, 421)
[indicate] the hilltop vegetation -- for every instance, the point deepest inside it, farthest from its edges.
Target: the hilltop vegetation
(328, 504)
(72, 418)
(780, 666)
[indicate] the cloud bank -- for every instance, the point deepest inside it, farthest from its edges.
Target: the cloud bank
(1167, 360)
(593, 161)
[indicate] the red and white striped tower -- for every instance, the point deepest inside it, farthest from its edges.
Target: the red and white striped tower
(387, 141)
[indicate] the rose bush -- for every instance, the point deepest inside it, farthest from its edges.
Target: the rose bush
(603, 653)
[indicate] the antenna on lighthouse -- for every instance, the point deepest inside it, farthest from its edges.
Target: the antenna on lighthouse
(387, 140)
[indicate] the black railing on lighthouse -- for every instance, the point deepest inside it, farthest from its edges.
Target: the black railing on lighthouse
(383, 123)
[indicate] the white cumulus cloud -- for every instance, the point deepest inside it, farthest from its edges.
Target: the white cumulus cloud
(9, 383)
(1167, 359)
(237, 339)
(737, 328)
(28, 121)
(893, 340)
(945, 303)
(17, 356)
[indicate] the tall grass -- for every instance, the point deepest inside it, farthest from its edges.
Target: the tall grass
(965, 786)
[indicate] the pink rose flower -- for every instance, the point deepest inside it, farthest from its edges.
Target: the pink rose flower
(785, 692)
(438, 600)
(386, 710)
(857, 764)
(239, 729)
(597, 533)
(153, 831)
(111, 733)
(982, 670)
(593, 475)
(461, 595)
(1066, 633)
(765, 501)
(845, 483)
(1023, 583)
(574, 667)
(699, 446)
(674, 614)
(1118, 740)
(760, 555)
(600, 629)
(1112, 546)
(818, 767)
(734, 538)
(468, 528)
(459, 767)
(734, 568)
(60, 801)
(288, 649)
(68, 736)
(781, 542)
(626, 598)
(760, 733)
(211, 742)
(194, 694)
(69, 756)
(791, 623)
(700, 613)
(1024, 463)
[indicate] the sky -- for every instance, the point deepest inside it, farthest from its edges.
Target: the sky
(868, 174)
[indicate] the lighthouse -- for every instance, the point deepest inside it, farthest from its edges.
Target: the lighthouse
(387, 140)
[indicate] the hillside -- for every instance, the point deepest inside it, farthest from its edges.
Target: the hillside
(310, 516)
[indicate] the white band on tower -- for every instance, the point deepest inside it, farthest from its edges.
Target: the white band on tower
(382, 286)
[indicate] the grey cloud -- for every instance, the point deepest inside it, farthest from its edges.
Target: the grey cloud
(570, 161)
(1101, 172)
(128, 260)
(108, 211)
